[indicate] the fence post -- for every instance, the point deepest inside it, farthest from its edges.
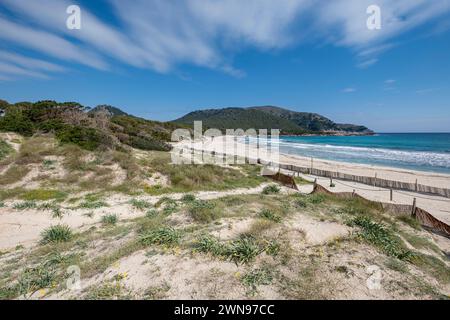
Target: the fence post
(315, 183)
(331, 182)
(354, 192)
(417, 187)
(413, 213)
(392, 195)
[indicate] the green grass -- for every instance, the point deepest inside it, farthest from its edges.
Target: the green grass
(204, 211)
(188, 198)
(410, 221)
(56, 234)
(92, 205)
(271, 189)
(43, 195)
(270, 215)
(194, 177)
(25, 205)
(162, 236)
(257, 277)
(14, 174)
(381, 237)
(5, 149)
(109, 219)
(140, 204)
(242, 250)
(151, 213)
(434, 266)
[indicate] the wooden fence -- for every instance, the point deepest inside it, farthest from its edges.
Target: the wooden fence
(372, 181)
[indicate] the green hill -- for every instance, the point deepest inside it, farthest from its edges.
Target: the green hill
(269, 117)
(71, 122)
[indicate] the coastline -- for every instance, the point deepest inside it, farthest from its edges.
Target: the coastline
(227, 143)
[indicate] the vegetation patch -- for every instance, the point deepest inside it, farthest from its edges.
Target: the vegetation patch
(162, 236)
(270, 215)
(43, 195)
(5, 149)
(56, 234)
(25, 205)
(242, 250)
(271, 189)
(381, 237)
(109, 219)
(257, 277)
(140, 204)
(14, 174)
(203, 211)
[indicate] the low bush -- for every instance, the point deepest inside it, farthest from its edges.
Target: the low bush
(271, 189)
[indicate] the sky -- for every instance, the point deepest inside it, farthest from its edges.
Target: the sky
(160, 59)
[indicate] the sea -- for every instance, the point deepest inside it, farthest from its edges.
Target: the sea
(416, 151)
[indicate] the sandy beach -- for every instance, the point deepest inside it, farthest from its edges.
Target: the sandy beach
(436, 205)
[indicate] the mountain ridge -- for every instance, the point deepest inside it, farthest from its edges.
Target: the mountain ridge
(271, 117)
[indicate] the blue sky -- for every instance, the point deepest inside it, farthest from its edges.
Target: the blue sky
(161, 59)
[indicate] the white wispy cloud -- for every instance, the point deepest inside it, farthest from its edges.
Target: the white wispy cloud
(348, 90)
(161, 34)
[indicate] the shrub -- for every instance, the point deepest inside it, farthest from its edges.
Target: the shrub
(162, 236)
(109, 219)
(86, 138)
(271, 189)
(55, 234)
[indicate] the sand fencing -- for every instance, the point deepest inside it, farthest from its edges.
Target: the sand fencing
(425, 218)
(371, 181)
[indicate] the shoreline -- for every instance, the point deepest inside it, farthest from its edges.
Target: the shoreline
(227, 143)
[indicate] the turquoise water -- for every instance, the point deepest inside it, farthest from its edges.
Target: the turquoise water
(416, 151)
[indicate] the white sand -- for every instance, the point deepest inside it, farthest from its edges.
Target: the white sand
(437, 206)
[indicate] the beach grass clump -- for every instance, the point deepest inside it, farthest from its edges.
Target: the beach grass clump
(242, 250)
(271, 189)
(109, 219)
(25, 205)
(140, 204)
(203, 211)
(151, 213)
(382, 238)
(270, 215)
(166, 236)
(257, 277)
(92, 204)
(56, 234)
(35, 278)
(188, 198)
